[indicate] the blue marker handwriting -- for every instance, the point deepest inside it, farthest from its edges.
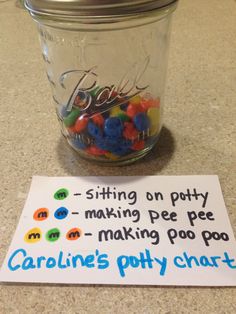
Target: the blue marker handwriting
(20, 259)
(144, 260)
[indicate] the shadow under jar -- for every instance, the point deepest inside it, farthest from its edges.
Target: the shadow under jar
(106, 63)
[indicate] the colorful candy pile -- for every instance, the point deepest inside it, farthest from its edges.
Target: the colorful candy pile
(124, 129)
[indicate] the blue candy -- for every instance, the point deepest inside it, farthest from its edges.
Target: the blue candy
(106, 114)
(82, 95)
(100, 143)
(113, 127)
(94, 130)
(77, 143)
(141, 121)
(120, 151)
(124, 106)
(117, 146)
(125, 143)
(107, 143)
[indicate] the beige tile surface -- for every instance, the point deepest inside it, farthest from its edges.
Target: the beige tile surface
(199, 138)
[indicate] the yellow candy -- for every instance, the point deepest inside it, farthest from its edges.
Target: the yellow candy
(33, 235)
(115, 111)
(111, 156)
(135, 100)
(153, 114)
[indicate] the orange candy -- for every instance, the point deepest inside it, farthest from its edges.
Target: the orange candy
(71, 129)
(96, 151)
(41, 214)
(80, 124)
(130, 131)
(98, 119)
(147, 103)
(133, 109)
(73, 234)
(139, 145)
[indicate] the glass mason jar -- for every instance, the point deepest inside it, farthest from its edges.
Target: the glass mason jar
(106, 63)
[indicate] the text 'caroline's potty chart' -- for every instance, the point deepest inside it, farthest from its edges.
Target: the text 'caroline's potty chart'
(151, 230)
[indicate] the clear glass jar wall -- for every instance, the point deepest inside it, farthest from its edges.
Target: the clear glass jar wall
(108, 83)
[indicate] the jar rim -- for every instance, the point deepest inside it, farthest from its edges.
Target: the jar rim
(90, 8)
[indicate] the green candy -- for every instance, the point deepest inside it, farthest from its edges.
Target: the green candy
(53, 235)
(61, 194)
(123, 117)
(94, 91)
(72, 117)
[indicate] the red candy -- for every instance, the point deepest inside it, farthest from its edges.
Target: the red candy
(71, 129)
(81, 124)
(130, 131)
(133, 109)
(96, 151)
(127, 127)
(98, 119)
(147, 103)
(139, 145)
(79, 102)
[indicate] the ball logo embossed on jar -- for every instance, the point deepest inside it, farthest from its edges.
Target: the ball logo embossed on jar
(104, 97)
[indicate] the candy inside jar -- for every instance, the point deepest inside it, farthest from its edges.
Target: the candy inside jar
(106, 63)
(121, 129)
